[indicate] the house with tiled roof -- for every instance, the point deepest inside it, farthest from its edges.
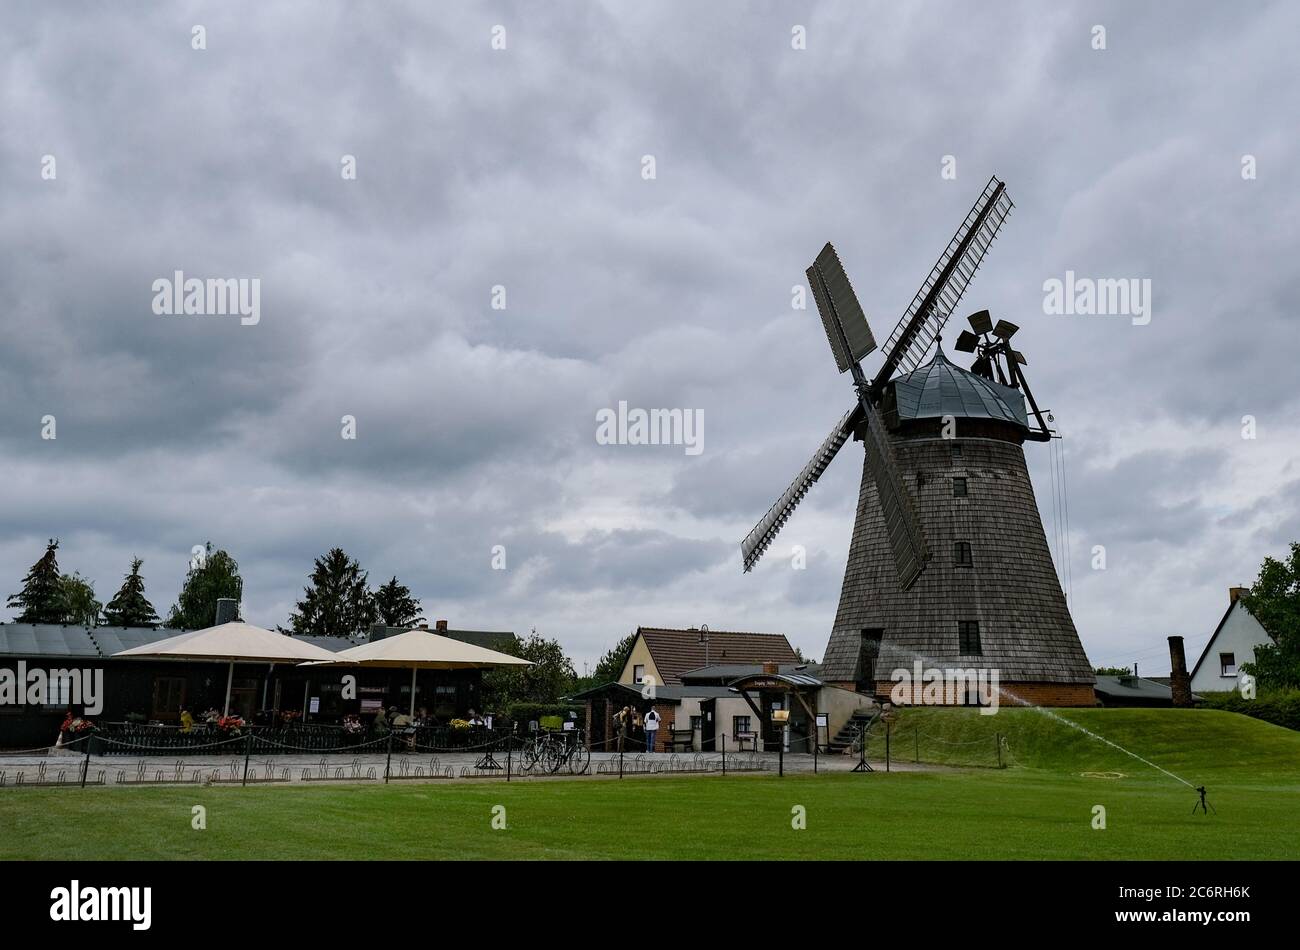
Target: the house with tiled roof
(665, 653)
(716, 690)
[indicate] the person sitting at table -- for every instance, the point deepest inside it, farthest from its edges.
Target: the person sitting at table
(475, 719)
(401, 721)
(381, 721)
(187, 721)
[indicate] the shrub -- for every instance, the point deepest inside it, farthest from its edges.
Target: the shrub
(1280, 707)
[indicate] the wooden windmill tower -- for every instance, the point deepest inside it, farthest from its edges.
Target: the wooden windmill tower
(949, 563)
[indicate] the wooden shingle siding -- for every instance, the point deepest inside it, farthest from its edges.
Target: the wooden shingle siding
(1026, 631)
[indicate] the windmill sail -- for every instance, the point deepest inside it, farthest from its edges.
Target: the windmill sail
(906, 540)
(757, 541)
(947, 282)
(840, 311)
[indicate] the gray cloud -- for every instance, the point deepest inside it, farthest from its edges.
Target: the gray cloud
(522, 168)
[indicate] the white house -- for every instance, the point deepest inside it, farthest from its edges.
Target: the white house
(1232, 644)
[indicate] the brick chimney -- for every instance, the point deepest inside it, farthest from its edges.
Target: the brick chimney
(1180, 683)
(1234, 594)
(771, 669)
(441, 625)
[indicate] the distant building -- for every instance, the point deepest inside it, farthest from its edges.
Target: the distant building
(1232, 644)
(717, 689)
(1130, 690)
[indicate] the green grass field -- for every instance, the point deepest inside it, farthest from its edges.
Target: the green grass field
(1038, 808)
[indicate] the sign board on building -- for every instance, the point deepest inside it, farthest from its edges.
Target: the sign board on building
(314, 705)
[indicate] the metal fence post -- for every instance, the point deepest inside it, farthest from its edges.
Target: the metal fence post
(724, 753)
(815, 744)
(85, 764)
(248, 748)
(388, 766)
(510, 745)
(620, 760)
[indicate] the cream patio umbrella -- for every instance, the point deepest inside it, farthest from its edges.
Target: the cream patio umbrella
(420, 650)
(235, 642)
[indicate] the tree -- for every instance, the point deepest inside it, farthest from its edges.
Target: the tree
(337, 602)
(549, 678)
(212, 575)
(41, 599)
(78, 599)
(130, 608)
(395, 607)
(1274, 600)
(610, 666)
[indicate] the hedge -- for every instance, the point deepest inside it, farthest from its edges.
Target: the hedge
(1280, 707)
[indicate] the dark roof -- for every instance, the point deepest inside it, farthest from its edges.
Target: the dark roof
(55, 640)
(942, 388)
(679, 651)
(726, 672)
(1133, 690)
(670, 694)
(797, 680)
(488, 639)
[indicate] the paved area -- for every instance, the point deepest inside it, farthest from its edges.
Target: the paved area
(63, 768)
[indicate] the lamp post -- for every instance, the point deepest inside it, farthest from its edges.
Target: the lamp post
(704, 638)
(781, 717)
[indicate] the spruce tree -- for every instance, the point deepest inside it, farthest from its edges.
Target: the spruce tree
(337, 602)
(41, 599)
(395, 607)
(130, 608)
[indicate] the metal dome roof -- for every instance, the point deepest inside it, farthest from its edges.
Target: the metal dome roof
(941, 388)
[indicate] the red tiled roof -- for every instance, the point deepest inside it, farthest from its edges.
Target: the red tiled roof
(678, 651)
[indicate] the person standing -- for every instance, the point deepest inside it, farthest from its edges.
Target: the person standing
(651, 728)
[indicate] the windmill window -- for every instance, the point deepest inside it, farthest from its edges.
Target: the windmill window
(968, 637)
(959, 488)
(1227, 664)
(956, 452)
(638, 673)
(961, 554)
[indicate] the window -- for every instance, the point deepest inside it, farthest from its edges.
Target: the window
(956, 452)
(739, 726)
(638, 673)
(58, 690)
(968, 638)
(697, 722)
(961, 554)
(1227, 664)
(959, 488)
(168, 697)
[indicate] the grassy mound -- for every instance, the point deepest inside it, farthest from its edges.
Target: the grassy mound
(1194, 744)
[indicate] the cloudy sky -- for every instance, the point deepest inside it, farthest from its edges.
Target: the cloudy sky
(523, 168)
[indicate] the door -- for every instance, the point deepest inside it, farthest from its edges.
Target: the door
(708, 725)
(868, 652)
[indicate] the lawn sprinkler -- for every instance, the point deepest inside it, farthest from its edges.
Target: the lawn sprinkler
(1202, 803)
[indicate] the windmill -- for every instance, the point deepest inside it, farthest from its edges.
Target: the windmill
(905, 593)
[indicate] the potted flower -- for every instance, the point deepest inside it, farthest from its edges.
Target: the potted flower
(231, 725)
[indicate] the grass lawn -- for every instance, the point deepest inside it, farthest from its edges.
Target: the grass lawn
(1039, 808)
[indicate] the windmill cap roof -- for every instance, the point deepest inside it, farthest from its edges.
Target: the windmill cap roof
(942, 388)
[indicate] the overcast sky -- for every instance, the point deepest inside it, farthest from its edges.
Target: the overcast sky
(523, 168)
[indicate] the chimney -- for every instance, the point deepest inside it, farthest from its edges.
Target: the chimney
(227, 611)
(1180, 683)
(424, 626)
(442, 626)
(1234, 594)
(771, 669)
